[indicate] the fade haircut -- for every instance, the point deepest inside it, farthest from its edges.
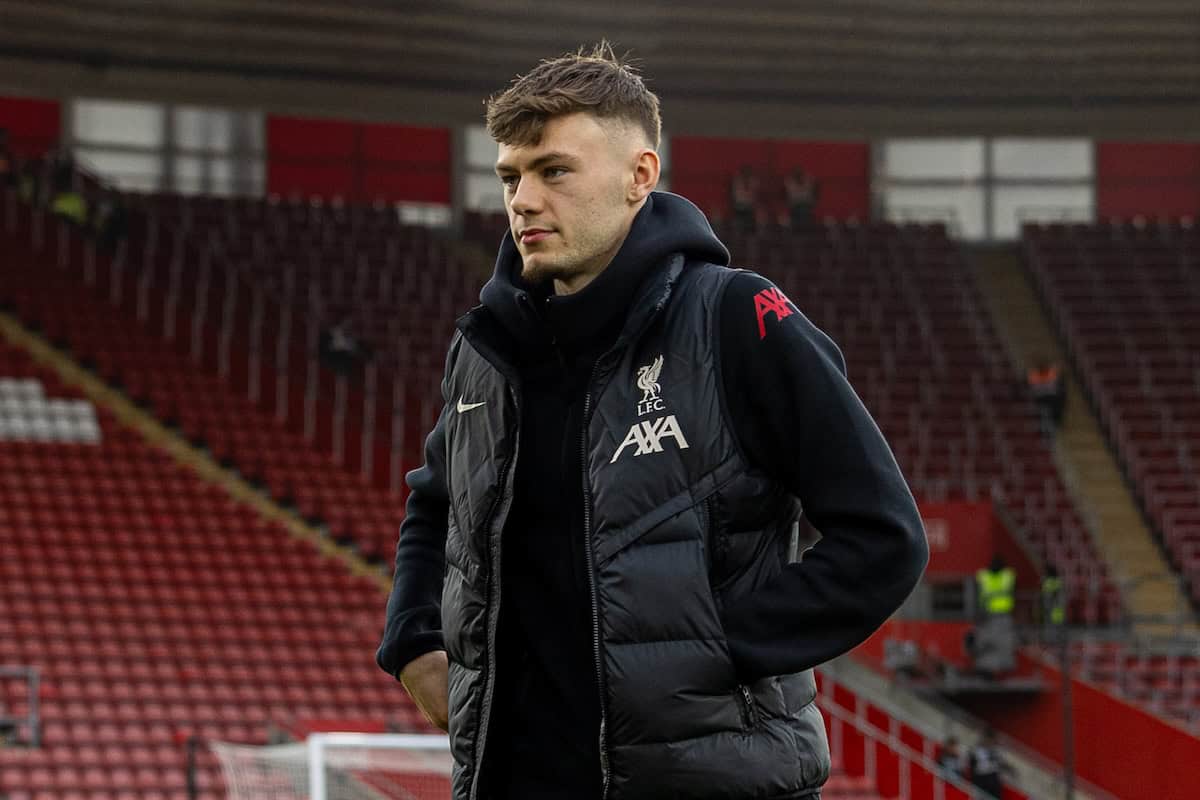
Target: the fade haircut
(597, 81)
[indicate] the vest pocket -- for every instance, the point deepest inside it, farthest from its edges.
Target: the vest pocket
(748, 707)
(715, 543)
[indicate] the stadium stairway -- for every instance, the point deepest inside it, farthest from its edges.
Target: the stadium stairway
(922, 723)
(1149, 587)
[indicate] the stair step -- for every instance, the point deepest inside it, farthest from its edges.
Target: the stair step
(1123, 537)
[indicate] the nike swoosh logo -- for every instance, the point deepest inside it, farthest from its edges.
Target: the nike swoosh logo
(467, 406)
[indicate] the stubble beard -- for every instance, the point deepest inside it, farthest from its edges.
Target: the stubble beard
(547, 269)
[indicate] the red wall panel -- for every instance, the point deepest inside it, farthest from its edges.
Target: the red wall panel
(359, 161)
(34, 126)
(1153, 179)
(307, 139)
(406, 144)
(1118, 747)
(701, 168)
(963, 536)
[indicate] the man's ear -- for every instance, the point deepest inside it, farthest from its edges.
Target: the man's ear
(645, 175)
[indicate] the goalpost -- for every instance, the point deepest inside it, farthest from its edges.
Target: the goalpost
(339, 766)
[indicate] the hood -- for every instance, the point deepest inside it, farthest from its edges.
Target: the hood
(666, 225)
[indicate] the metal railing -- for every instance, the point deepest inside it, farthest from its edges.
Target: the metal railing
(840, 719)
(1034, 774)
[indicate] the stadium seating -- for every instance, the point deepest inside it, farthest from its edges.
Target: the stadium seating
(922, 353)
(207, 410)
(921, 350)
(1164, 682)
(919, 346)
(1126, 299)
(153, 605)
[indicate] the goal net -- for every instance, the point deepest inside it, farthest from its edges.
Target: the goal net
(339, 766)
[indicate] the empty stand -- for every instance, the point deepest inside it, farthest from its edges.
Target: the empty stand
(899, 301)
(922, 353)
(153, 605)
(207, 410)
(1127, 302)
(1165, 682)
(189, 608)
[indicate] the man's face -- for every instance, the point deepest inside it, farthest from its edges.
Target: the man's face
(568, 197)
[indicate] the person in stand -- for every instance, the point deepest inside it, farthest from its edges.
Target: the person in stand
(110, 222)
(68, 204)
(800, 189)
(340, 349)
(1054, 600)
(28, 181)
(8, 162)
(744, 198)
(62, 169)
(950, 759)
(1049, 392)
(993, 640)
(996, 585)
(594, 588)
(986, 766)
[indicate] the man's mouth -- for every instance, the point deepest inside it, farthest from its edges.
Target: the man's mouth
(531, 235)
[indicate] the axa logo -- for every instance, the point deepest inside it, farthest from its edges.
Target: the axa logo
(770, 301)
(647, 436)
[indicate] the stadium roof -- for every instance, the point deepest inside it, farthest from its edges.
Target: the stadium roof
(786, 67)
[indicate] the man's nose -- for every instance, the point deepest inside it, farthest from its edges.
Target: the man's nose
(527, 199)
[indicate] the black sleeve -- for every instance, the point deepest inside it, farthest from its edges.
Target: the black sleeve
(797, 417)
(414, 608)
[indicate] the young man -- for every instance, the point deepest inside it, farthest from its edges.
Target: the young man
(594, 589)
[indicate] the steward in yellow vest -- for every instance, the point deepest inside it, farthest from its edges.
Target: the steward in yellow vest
(996, 584)
(1054, 598)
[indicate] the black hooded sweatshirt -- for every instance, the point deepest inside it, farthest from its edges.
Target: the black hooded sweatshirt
(794, 414)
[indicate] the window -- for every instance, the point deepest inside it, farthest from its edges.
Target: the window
(1014, 205)
(936, 180)
(1041, 180)
(153, 147)
(119, 123)
(960, 208)
(934, 159)
(1042, 159)
(985, 188)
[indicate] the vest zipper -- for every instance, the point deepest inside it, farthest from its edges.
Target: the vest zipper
(749, 707)
(591, 574)
(489, 685)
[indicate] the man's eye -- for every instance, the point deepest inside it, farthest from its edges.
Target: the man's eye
(509, 181)
(555, 172)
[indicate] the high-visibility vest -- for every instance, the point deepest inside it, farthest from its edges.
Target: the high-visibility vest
(70, 205)
(1052, 601)
(996, 590)
(1042, 377)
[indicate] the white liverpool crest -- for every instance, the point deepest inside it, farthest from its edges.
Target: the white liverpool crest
(647, 381)
(647, 435)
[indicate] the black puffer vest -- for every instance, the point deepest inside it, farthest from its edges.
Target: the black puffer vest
(678, 524)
